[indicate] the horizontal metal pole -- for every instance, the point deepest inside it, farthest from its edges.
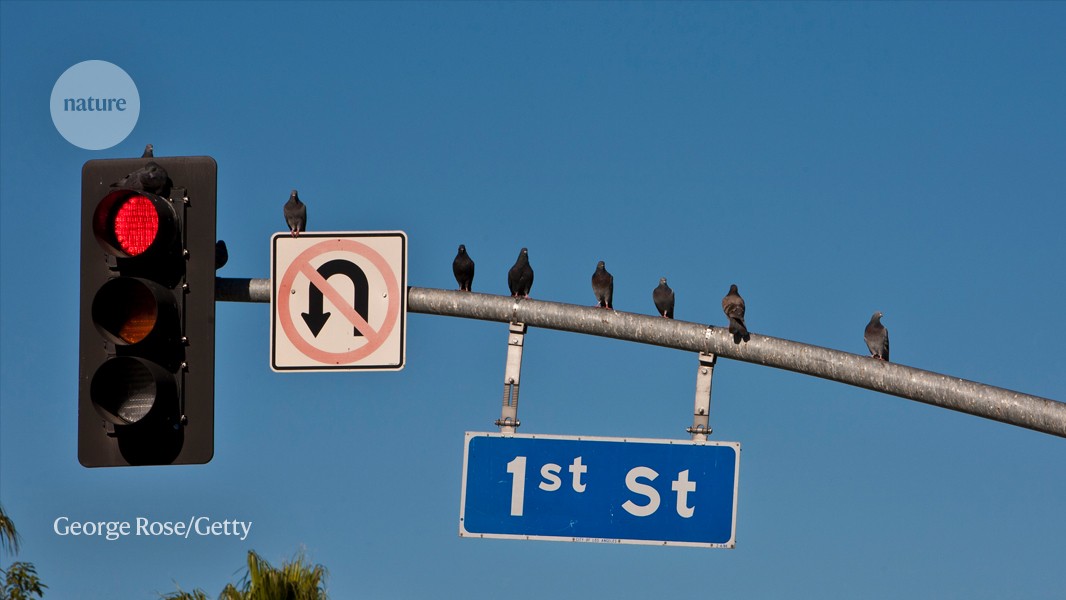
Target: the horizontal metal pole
(1014, 408)
(228, 289)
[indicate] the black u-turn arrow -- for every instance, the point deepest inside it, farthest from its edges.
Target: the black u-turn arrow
(314, 317)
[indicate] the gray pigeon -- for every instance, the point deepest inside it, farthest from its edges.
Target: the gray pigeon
(876, 336)
(664, 299)
(603, 286)
(463, 268)
(520, 277)
(150, 178)
(733, 307)
(221, 254)
(149, 151)
(295, 214)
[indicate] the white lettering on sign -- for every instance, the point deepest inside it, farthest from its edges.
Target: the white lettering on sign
(551, 482)
(517, 469)
(683, 486)
(578, 469)
(644, 490)
(550, 473)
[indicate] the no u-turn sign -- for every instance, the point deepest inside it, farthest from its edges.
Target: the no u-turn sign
(339, 301)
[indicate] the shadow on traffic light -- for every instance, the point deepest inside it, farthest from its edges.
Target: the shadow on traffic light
(142, 447)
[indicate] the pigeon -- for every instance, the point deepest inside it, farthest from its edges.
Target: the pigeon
(664, 299)
(463, 268)
(150, 178)
(221, 254)
(295, 214)
(149, 151)
(603, 286)
(520, 277)
(876, 336)
(733, 307)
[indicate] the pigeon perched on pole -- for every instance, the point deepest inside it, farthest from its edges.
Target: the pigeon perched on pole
(876, 336)
(150, 178)
(295, 214)
(463, 268)
(733, 307)
(603, 286)
(520, 277)
(663, 297)
(221, 254)
(149, 151)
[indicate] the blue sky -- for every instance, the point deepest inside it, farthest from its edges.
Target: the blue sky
(831, 159)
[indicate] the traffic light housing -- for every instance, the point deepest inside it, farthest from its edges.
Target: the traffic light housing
(147, 350)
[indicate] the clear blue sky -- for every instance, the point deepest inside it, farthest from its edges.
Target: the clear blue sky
(832, 159)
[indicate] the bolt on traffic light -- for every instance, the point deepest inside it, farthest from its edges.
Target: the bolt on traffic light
(147, 350)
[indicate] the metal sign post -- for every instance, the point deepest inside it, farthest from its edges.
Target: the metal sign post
(701, 414)
(508, 420)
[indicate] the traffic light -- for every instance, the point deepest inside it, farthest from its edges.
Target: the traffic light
(147, 353)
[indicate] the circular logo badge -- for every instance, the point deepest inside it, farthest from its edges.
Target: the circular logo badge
(95, 105)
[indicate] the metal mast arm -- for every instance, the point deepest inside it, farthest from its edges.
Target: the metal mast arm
(1007, 406)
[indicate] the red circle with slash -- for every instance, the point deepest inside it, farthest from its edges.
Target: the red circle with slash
(374, 338)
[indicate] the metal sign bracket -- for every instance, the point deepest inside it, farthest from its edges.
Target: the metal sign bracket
(701, 428)
(508, 420)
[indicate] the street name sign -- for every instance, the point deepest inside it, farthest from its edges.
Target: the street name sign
(338, 301)
(595, 489)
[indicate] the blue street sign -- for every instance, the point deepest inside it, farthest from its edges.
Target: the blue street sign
(589, 489)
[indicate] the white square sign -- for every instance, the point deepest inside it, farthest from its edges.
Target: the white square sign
(338, 301)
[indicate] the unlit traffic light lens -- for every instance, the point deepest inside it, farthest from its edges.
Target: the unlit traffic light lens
(127, 309)
(125, 390)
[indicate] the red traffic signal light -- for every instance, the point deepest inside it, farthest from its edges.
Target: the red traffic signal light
(127, 223)
(146, 392)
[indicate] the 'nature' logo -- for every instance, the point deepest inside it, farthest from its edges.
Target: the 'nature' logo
(95, 105)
